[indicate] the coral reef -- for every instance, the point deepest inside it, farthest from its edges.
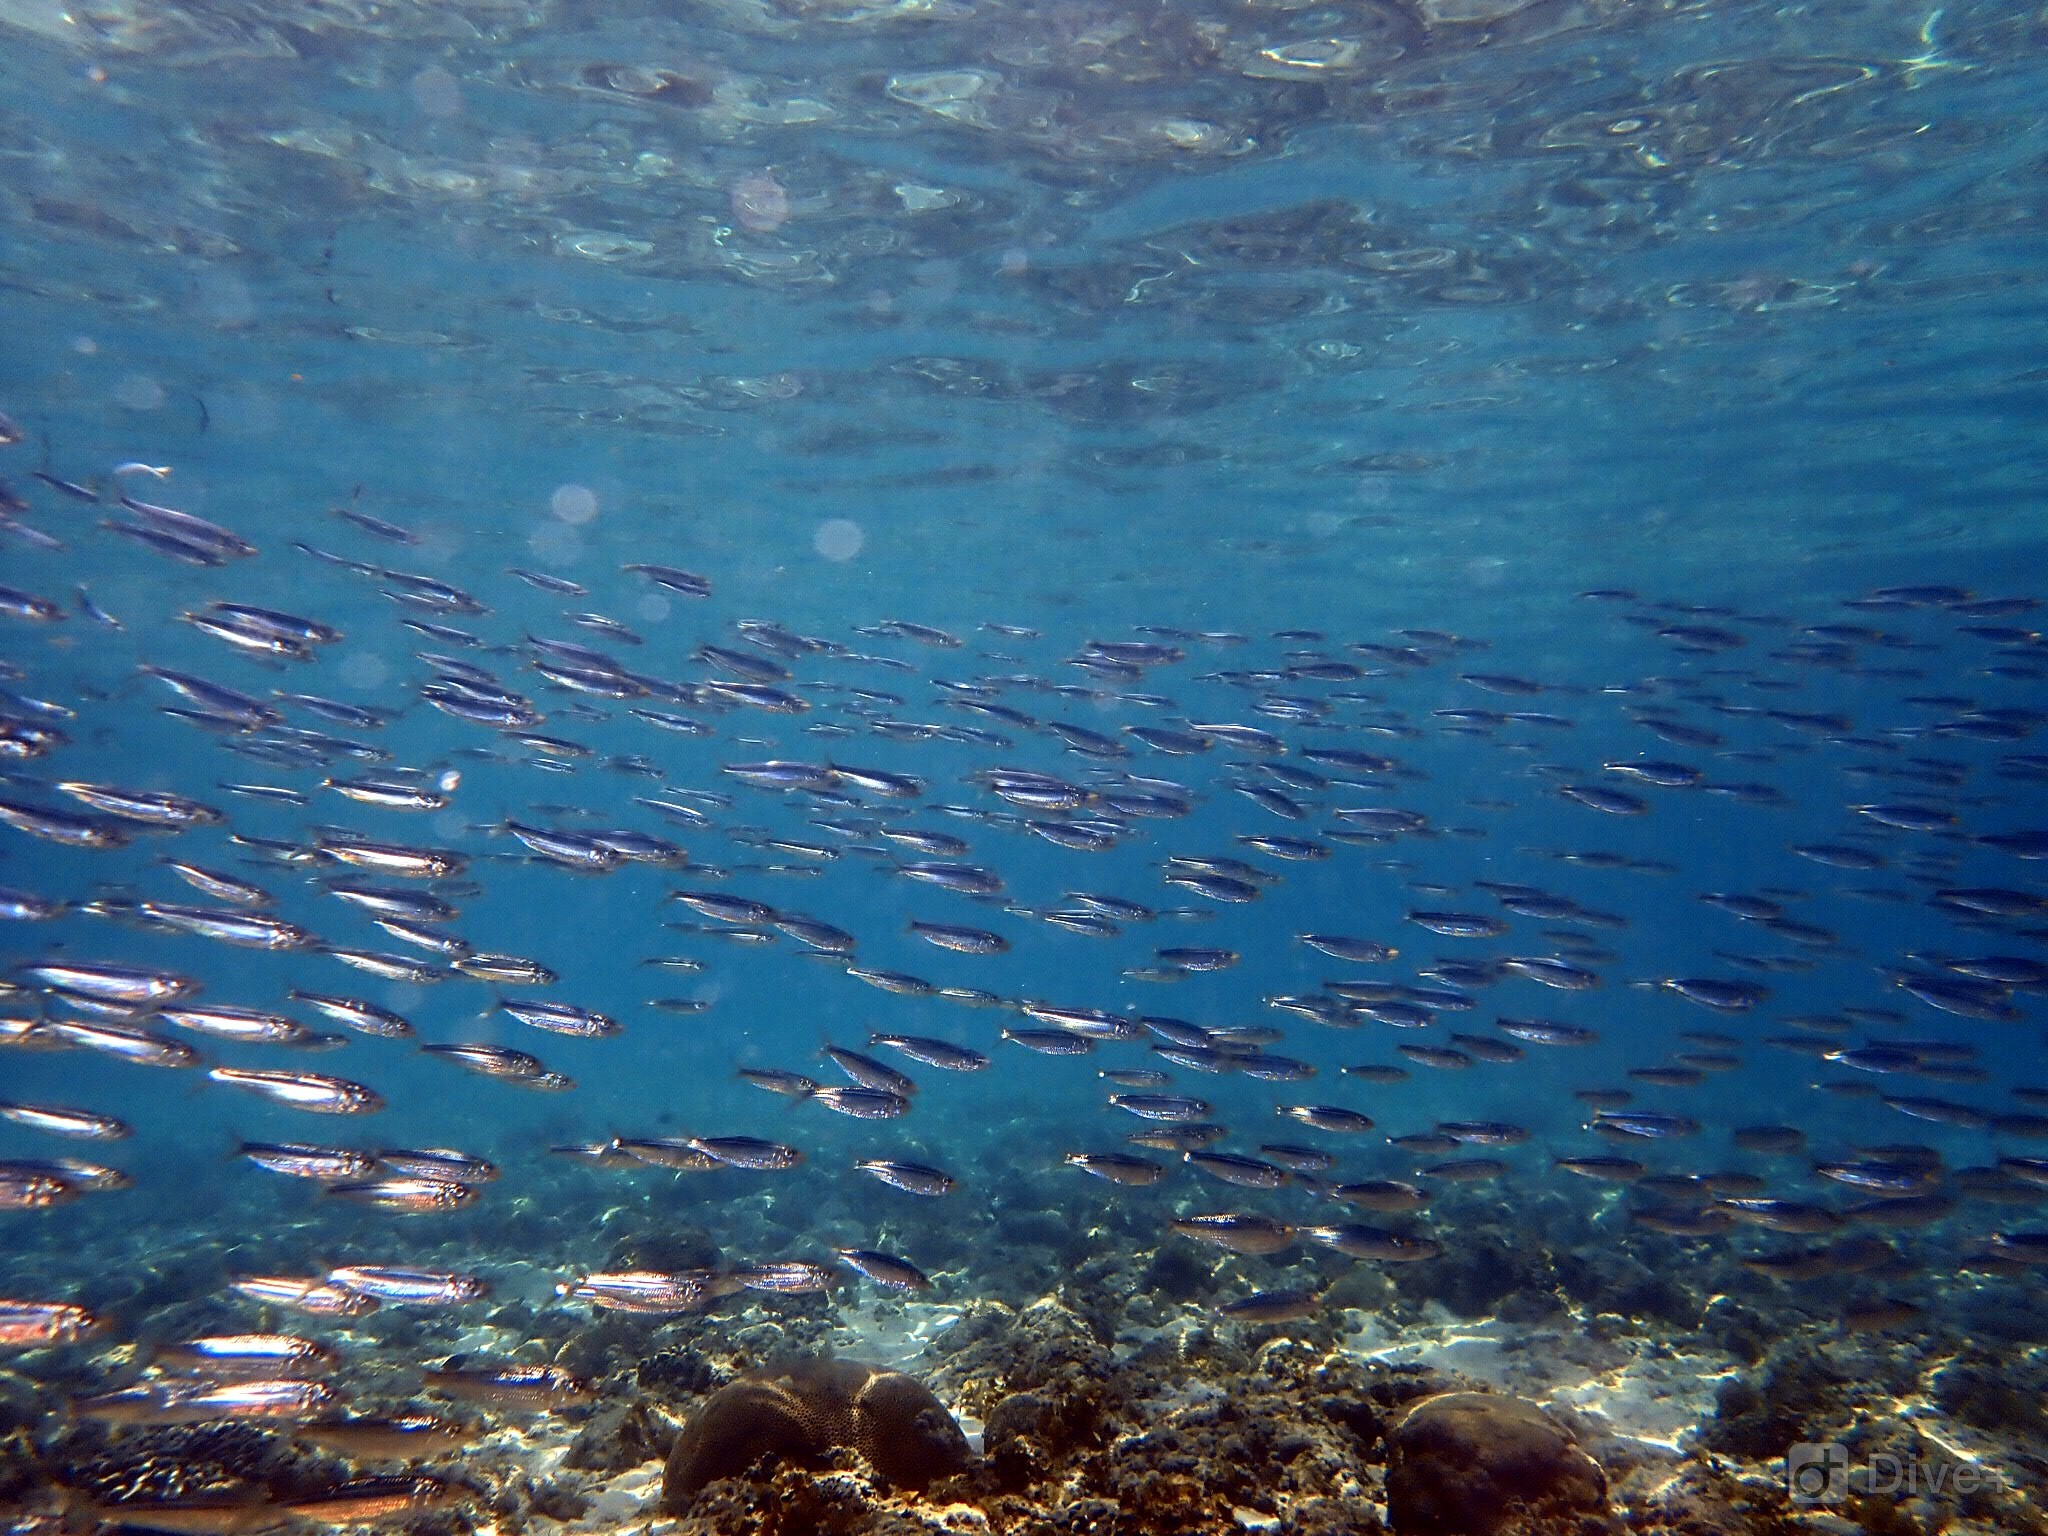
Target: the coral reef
(1109, 1396)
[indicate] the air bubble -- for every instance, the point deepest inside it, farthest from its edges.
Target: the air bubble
(759, 203)
(139, 392)
(838, 538)
(360, 669)
(436, 92)
(574, 504)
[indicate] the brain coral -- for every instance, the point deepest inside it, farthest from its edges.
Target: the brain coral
(800, 1410)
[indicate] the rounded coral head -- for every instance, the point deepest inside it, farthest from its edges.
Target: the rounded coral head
(800, 1409)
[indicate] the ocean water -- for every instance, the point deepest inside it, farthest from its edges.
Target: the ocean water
(1477, 408)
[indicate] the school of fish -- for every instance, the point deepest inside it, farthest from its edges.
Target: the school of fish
(1867, 763)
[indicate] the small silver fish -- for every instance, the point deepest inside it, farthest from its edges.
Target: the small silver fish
(311, 1091)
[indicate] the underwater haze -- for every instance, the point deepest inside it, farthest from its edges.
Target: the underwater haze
(1300, 746)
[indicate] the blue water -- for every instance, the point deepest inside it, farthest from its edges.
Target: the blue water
(1085, 320)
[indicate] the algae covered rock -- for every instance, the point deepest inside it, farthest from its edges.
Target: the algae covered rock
(800, 1411)
(1474, 1463)
(618, 1436)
